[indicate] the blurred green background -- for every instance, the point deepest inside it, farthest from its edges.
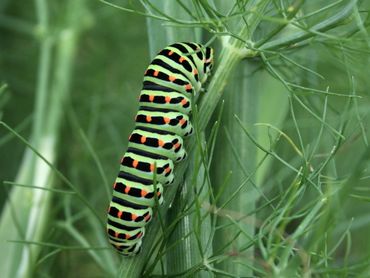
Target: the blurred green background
(105, 76)
(70, 75)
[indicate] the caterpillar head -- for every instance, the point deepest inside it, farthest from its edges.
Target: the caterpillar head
(209, 60)
(208, 63)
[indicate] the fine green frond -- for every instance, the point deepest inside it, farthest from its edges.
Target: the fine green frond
(57, 172)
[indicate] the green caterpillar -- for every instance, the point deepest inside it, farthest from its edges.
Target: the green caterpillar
(174, 76)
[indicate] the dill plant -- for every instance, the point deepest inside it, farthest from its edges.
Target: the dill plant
(276, 181)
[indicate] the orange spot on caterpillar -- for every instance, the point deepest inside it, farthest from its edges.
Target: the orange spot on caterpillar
(184, 101)
(140, 235)
(167, 170)
(119, 214)
(176, 145)
(135, 163)
(127, 236)
(116, 234)
(167, 99)
(151, 98)
(182, 121)
(143, 193)
(133, 216)
(158, 194)
(170, 53)
(195, 71)
(147, 218)
(151, 169)
(187, 87)
(181, 59)
(114, 185)
(148, 118)
(127, 189)
(129, 138)
(156, 73)
(171, 78)
(166, 120)
(160, 143)
(143, 139)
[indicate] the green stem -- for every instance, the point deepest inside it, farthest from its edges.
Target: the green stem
(237, 154)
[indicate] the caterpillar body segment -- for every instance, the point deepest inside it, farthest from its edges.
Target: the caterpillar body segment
(144, 167)
(136, 192)
(125, 214)
(173, 122)
(166, 145)
(171, 101)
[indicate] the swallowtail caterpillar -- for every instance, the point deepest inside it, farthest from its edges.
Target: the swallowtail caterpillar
(171, 82)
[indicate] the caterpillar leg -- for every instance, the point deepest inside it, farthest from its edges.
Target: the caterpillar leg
(128, 250)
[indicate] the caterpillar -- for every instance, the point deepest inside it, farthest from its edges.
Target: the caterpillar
(172, 81)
